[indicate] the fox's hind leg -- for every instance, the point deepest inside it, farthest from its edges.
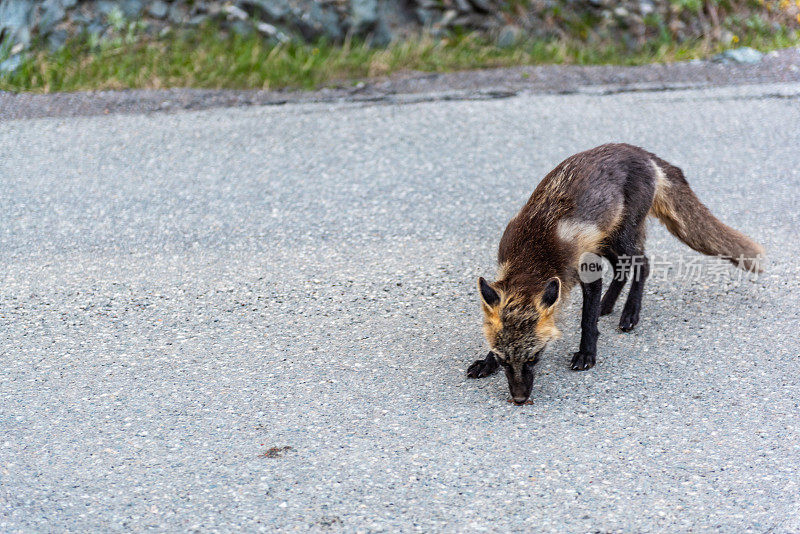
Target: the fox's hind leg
(640, 270)
(617, 284)
(484, 367)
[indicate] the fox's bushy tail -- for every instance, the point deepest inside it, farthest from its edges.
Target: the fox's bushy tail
(688, 219)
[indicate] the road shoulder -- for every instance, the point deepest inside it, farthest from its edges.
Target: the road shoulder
(776, 67)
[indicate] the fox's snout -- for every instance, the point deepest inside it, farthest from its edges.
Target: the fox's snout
(520, 384)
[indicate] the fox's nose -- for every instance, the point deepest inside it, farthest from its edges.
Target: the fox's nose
(519, 401)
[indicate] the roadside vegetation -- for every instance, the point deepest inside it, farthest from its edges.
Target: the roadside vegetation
(207, 57)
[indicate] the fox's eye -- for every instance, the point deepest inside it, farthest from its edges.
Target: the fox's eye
(535, 359)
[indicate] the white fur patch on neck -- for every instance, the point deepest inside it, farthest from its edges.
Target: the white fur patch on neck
(584, 234)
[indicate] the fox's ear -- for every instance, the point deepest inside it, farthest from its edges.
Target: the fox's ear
(490, 297)
(552, 292)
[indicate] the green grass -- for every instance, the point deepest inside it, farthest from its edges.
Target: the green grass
(207, 59)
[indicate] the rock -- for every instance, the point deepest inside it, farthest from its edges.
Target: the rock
(267, 29)
(426, 16)
(396, 16)
(52, 13)
(16, 17)
(241, 27)
(234, 13)
(158, 9)
(363, 15)
(365, 20)
(726, 36)
(646, 7)
(106, 7)
(482, 5)
(323, 22)
(11, 64)
(463, 6)
(80, 18)
(197, 20)
(177, 13)
(382, 35)
(96, 28)
(509, 36)
(69, 4)
(57, 39)
(448, 18)
(273, 9)
(744, 55)
(132, 8)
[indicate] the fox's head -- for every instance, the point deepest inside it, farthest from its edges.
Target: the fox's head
(518, 326)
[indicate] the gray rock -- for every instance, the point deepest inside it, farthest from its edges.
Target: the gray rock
(426, 17)
(69, 4)
(365, 20)
(509, 36)
(744, 55)
(197, 20)
(158, 9)
(79, 18)
(448, 18)
(213, 9)
(132, 8)
(272, 32)
(52, 13)
(177, 13)
(463, 6)
(382, 35)
(234, 12)
(16, 17)
(57, 39)
(96, 28)
(266, 29)
(646, 7)
(273, 9)
(482, 5)
(106, 7)
(11, 64)
(397, 15)
(241, 27)
(363, 15)
(323, 22)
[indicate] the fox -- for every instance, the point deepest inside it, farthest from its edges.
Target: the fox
(596, 201)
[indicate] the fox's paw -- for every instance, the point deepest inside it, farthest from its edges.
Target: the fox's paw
(484, 367)
(582, 361)
(628, 320)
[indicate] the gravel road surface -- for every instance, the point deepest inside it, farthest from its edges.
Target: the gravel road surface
(260, 318)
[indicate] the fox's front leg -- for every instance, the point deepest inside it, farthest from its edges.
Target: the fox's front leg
(484, 367)
(585, 357)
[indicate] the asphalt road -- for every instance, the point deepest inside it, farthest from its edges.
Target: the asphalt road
(260, 318)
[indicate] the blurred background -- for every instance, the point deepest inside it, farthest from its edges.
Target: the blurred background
(64, 45)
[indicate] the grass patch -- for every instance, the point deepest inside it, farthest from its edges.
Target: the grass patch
(206, 58)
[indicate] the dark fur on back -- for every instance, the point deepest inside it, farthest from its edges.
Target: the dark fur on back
(595, 187)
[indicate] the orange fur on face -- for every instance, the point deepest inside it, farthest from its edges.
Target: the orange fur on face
(492, 324)
(546, 329)
(493, 317)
